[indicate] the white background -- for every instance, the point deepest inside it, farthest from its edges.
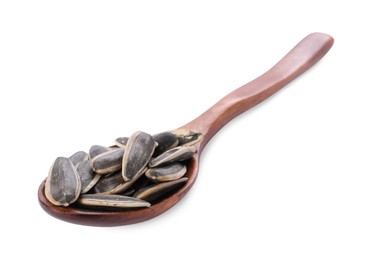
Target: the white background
(289, 179)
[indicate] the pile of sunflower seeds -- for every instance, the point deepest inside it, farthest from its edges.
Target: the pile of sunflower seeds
(134, 173)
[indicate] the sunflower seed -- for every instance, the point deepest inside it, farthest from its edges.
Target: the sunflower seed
(108, 183)
(187, 137)
(114, 183)
(166, 173)
(166, 141)
(63, 185)
(108, 162)
(78, 157)
(114, 201)
(88, 177)
(139, 150)
(177, 154)
(157, 191)
(96, 150)
(121, 141)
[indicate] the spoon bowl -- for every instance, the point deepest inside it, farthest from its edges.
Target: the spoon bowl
(302, 57)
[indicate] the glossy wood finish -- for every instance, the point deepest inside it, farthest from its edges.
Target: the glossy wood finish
(304, 55)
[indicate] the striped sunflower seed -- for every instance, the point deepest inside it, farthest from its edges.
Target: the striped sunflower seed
(187, 137)
(78, 157)
(157, 191)
(121, 141)
(166, 173)
(63, 185)
(166, 141)
(114, 183)
(177, 154)
(87, 176)
(108, 162)
(112, 201)
(95, 150)
(139, 150)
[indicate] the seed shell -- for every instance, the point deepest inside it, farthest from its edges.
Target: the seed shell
(88, 177)
(139, 150)
(112, 201)
(166, 141)
(187, 137)
(121, 141)
(78, 157)
(166, 173)
(63, 185)
(157, 191)
(95, 150)
(108, 162)
(177, 154)
(114, 183)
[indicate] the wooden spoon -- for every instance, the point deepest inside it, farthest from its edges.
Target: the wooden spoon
(304, 55)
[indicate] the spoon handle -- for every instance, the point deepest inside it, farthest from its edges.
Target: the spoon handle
(302, 57)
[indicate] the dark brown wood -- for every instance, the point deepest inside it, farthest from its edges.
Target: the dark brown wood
(302, 57)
